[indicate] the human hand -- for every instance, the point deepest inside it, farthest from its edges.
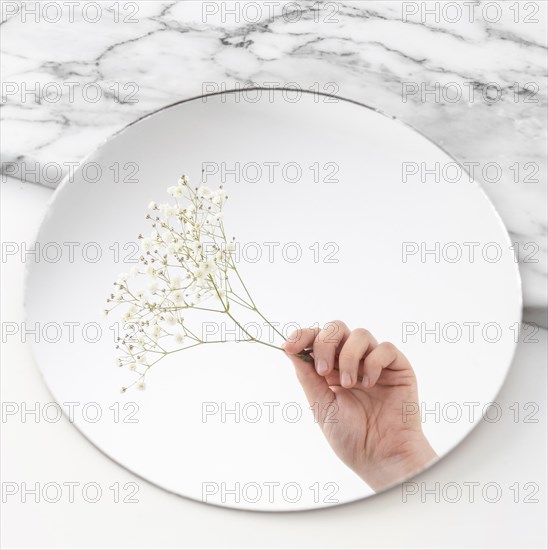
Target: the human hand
(358, 389)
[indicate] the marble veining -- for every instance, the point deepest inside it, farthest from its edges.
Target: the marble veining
(369, 51)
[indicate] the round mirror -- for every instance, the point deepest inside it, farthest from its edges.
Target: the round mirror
(339, 213)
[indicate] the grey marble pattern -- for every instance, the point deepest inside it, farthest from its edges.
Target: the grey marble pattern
(140, 56)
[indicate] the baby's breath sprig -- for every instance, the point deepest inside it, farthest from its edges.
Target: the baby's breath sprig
(189, 265)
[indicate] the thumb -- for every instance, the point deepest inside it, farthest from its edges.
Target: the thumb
(315, 386)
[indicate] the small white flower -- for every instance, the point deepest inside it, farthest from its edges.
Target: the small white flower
(218, 197)
(200, 273)
(204, 192)
(179, 338)
(133, 271)
(170, 211)
(230, 247)
(141, 386)
(132, 366)
(178, 297)
(175, 282)
(176, 191)
(146, 245)
(152, 205)
(208, 267)
(171, 320)
(153, 287)
(122, 278)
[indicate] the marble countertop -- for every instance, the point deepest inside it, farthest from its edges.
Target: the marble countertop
(471, 76)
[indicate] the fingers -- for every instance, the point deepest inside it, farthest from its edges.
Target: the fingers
(383, 356)
(335, 347)
(358, 344)
(326, 344)
(300, 340)
(315, 386)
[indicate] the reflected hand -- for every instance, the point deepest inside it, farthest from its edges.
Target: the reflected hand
(360, 390)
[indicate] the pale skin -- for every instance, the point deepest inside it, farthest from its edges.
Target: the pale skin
(359, 389)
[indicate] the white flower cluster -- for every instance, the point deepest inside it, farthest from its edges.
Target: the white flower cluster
(186, 260)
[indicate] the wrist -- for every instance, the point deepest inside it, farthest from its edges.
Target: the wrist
(411, 458)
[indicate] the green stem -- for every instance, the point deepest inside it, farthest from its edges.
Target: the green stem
(305, 356)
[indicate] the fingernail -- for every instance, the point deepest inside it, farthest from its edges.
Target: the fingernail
(321, 366)
(346, 379)
(284, 344)
(365, 380)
